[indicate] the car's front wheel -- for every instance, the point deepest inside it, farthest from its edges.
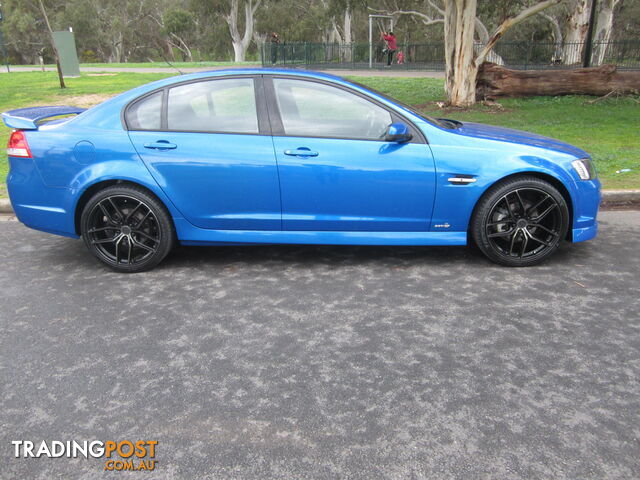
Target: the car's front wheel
(127, 228)
(520, 222)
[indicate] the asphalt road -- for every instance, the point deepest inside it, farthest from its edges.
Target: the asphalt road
(326, 362)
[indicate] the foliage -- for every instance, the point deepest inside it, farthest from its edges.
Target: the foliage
(138, 30)
(179, 22)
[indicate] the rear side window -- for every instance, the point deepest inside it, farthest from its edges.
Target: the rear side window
(146, 113)
(227, 105)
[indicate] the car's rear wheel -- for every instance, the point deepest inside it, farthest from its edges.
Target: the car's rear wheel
(520, 222)
(127, 229)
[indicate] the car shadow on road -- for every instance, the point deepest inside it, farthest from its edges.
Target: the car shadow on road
(338, 255)
(317, 254)
(73, 254)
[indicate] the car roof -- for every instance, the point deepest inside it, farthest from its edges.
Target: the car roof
(261, 71)
(186, 77)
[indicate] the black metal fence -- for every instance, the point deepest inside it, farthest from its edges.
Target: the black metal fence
(430, 56)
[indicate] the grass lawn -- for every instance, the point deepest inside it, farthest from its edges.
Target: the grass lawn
(608, 129)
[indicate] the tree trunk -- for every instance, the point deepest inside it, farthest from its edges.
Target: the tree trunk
(461, 66)
(168, 47)
(460, 74)
(604, 25)
(117, 48)
(183, 47)
(483, 39)
(53, 45)
(334, 35)
(346, 35)
(241, 42)
(238, 51)
(576, 32)
(495, 81)
(556, 31)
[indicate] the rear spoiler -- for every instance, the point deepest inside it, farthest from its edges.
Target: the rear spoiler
(28, 118)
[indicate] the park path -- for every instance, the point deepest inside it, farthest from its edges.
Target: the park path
(364, 72)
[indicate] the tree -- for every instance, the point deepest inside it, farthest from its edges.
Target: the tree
(24, 28)
(240, 41)
(460, 67)
(461, 64)
(53, 44)
(604, 26)
(341, 14)
(558, 38)
(434, 14)
(177, 25)
(461, 25)
(143, 30)
(575, 34)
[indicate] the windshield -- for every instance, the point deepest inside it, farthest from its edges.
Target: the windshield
(440, 122)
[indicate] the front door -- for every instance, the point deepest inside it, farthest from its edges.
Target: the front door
(336, 171)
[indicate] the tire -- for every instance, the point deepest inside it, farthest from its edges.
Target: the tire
(127, 228)
(520, 221)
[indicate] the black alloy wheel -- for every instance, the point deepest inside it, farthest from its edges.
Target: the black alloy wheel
(127, 228)
(520, 222)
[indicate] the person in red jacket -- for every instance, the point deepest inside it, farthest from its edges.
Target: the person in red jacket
(392, 46)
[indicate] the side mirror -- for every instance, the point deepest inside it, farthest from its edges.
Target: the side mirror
(398, 132)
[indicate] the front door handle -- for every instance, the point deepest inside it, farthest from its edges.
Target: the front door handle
(301, 152)
(160, 145)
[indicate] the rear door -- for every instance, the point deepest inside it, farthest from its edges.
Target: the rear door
(208, 145)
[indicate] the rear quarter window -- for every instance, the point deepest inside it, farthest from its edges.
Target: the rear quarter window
(146, 113)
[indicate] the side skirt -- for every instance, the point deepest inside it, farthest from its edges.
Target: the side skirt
(189, 235)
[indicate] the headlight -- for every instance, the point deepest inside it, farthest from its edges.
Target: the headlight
(585, 169)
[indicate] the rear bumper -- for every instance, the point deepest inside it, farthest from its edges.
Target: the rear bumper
(38, 206)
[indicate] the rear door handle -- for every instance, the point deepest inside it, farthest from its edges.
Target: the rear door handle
(301, 152)
(160, 145)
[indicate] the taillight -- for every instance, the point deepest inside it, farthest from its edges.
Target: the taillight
(18, 146)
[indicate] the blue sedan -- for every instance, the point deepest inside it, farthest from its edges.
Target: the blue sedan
(281, 157)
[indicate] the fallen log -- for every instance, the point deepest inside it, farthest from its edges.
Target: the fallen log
(495, 81)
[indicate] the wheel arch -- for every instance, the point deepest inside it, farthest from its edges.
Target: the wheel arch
(555, 181)
(94, 188)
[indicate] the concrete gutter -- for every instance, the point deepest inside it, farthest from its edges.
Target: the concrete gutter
(613, 198)
(5, 206)
(610, 198)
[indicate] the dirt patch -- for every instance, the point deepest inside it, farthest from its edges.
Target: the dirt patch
(82, 101)
(484, 107)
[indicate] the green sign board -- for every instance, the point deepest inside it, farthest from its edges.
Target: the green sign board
(66, 45)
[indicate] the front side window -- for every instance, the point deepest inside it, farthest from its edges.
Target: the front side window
(310, 109)
(146, 113)
(227, 105)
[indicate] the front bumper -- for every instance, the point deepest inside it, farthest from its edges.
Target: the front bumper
(585, 210)
(585, 233)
